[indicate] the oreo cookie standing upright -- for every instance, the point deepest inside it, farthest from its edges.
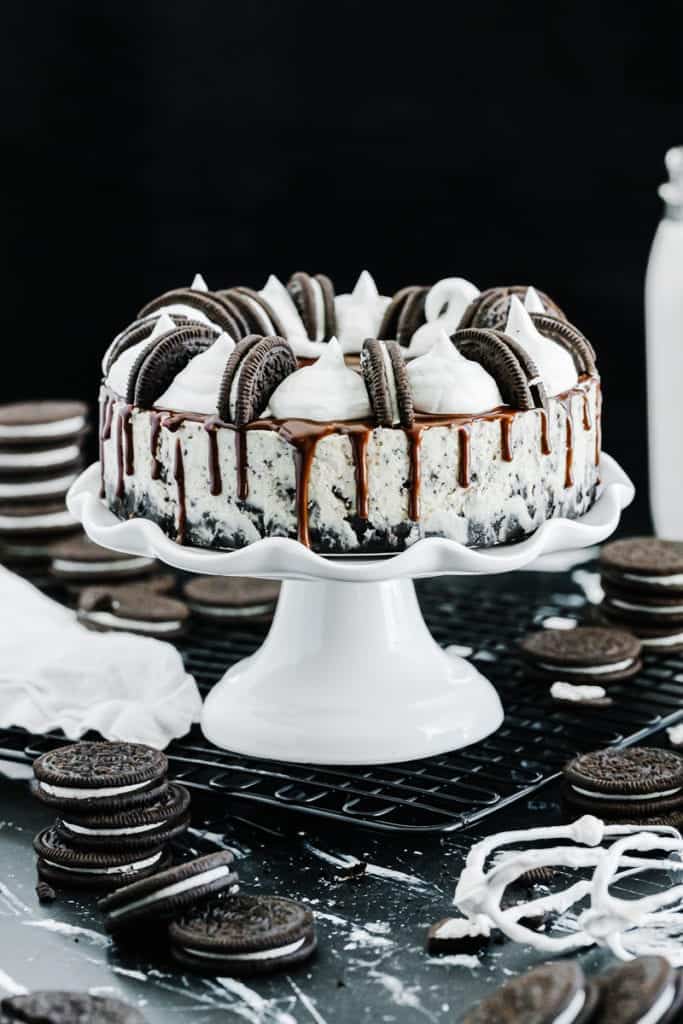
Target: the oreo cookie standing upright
(255, 368)
(645, 989)
(404, 314)
(583, 655)
(544, 995)
(490, 309)
(313, 296)
(635, 785)
(514, 371)
(384, 372)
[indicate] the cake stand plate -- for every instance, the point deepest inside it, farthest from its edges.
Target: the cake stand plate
(349, 672)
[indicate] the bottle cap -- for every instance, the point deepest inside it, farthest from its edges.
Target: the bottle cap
(672, 191)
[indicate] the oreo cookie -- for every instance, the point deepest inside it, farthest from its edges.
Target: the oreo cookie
(645, 989)
(161, 361)
(41, 422)
(258, 315)
(168, 893)
(490, 309)
(21, 520)
(454, 935)
(231, 599)
(643, 565)
(138, 331)
(68, 1008)
(244, 935)
(61, 864)
(384, 371)
(135, 829)
(404, 314)
(634, 785)
(132, 608)
(43, 487)
(96, 776)
(209, 304)
(569, 338)
(80, 560)
(39, 461)
(546, 994)
(514, 371)
(313, 297)
(255, 368)
(586, 654)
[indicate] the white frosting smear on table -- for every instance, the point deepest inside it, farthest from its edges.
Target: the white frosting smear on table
(577, 694)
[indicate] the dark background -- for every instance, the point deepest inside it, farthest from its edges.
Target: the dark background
(504, 143)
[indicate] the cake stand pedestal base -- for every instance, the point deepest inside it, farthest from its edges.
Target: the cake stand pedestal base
(350, 674)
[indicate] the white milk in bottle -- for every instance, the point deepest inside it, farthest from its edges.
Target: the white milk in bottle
(664, 345)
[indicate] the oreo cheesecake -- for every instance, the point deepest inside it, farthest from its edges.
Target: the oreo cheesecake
(356, 423)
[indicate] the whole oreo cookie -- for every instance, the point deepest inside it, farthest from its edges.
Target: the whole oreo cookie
(404, 314)
(41, 422)
(571, 339)
(29, 519)
(138, 331)
(39, 462)
(137, 828)
(158, 365)
(166, 894)
(255, 368)
(650, 611)
(313, 297)
(91, 775)
(260, 315)
(583, 655)
(633, 784)
(78, 559)
(212, 306)
(61, 864)
(384, 371)
(645, 989)
(44, 487)
(244, 935)
(68, 1008)
(546, 994)
(644, 564)
(225, 599)
(132, 608)
(491, 307)
(510, 365)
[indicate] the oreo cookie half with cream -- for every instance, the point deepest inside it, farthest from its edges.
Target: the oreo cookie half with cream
(313, 296)
(255, 368)
(132, 608)
(384, 372)
(231, 599)
(154, 825)
(80, 560)
(169, 893)
(244, 935)
(514, 371)
(95, 776)
(647, 989)
(61, 864)
(547, 994)
(491, 307)
(586, 654)
(41, 422)
(635, 784)
(161, 361)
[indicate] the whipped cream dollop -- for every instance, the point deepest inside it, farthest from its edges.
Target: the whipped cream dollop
(196, 387)
(533, 302)
(117, 378)
(359, 313)
(326, 390)
(275, 293)
(554, 363)
(444, 381)
(445, 304)
(199, 284)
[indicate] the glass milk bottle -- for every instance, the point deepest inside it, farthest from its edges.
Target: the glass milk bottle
(664, 345)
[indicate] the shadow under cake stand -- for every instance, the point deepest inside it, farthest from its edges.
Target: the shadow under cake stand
(349, 672)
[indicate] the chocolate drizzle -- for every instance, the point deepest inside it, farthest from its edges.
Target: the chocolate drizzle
(127, 421)
(586, 415)
(569, 461)
(464, 456)
(505, 437)
(154, 431)
(545, 434)
(106, 412)
(119, 457)
(215, 482)
(414, 435)
(359, 446)
(598, 422)
(242, 463)
(179, 475)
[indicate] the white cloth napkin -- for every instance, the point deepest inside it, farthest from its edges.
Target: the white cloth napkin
(56, 674)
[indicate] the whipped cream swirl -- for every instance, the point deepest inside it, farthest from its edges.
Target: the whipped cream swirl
(326, 390)
(117, 378)
(444, 382)
(359, 313)
(444, 306)
(275, 293)
(554, 363)
(195, 388)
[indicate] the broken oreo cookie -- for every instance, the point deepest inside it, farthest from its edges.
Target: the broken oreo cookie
(255, 368)
(384, 372)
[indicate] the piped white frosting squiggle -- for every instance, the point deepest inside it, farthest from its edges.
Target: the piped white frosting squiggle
(444, 381)
(444, 306)
(554, 363)
(359, 313)
(196, 387)
(327, 390)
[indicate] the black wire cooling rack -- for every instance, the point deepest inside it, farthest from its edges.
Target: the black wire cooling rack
(440, 793)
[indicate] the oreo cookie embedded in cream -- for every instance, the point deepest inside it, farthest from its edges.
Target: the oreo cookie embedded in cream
(514, 371)
(254, 370)
(490, 309)
(386, 378)
(404, 314)
(207, 307)
(313, 296)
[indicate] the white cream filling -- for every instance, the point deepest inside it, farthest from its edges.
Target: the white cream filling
(661, 641)
(36, 488)
(212, 611)
(659, 1007)
(87, 794)
(57, 428)
(572, 1011)
(619, 797)
(133, 831)
(675, 580)
(173, 890)
(594, 670)
(648, 609)
(39, 460)
(391, 386)
(261, 954)
(122, 564)
(118, 869)
(457, 928)
(23, 523)
(118, 622)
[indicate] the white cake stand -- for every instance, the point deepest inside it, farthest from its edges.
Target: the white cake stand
(349, 672)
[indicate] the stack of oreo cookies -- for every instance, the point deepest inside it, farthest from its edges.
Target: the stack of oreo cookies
(642, 578)
(117, 814)
(41, 453)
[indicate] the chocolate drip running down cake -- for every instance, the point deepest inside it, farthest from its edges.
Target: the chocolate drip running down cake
(356, 423)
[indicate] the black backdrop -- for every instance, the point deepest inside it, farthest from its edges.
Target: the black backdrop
(144, 142)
